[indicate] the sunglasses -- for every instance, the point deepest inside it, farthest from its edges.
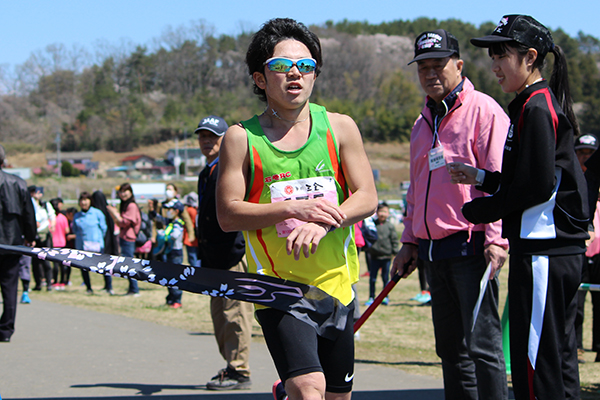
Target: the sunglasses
(282, 64)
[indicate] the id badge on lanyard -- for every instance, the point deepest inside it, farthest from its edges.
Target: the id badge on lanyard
(436, 154)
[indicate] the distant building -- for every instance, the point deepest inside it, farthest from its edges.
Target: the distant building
(139, 162)
(195, 158)
(82, 160)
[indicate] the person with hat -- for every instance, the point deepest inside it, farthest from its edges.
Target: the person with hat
(232, 319)
(173, 252)
(458, 123)
(585, 146)
(540, 195)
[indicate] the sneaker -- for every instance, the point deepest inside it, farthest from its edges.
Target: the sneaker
(580, 353)
(25, 298)
(597, 357)
(425, 297)
(278, 391)
(385, 301)
(417, 297)
(229, 379)
(90, 292)
(175, 305)
(132, 294)
(369, 302)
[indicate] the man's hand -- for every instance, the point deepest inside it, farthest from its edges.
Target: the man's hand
(462, 173)
(304, 238)
(319, 210)
(408, 253)
(497, 256)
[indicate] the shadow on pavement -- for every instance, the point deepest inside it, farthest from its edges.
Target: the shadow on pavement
(150, 390)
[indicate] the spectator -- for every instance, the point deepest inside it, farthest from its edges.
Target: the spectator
(382, 251)
(45, 218)
(111, 246)
(59, 240)
(232, 319)
(174, 246)
(190, 201)
(18, 227)
(89, 226)
(129, 220)
(457, 123)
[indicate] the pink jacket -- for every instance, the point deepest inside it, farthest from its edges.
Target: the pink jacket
(594, 247)
(473, 132)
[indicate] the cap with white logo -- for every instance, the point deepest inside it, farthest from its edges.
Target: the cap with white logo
(216, 125)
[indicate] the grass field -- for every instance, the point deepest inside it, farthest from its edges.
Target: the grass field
(399, 335)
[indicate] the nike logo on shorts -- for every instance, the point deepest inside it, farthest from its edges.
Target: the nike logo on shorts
(349, 378)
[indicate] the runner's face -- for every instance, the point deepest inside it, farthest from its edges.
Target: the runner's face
(438, 76)
(511, 71)
(287, 88)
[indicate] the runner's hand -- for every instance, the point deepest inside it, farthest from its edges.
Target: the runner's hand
(305, 238)
(319, 210)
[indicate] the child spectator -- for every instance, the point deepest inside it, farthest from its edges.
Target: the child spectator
(382, 251)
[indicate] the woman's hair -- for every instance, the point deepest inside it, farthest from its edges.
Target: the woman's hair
(55, 201)
(174, 186)
(124, 203)
(559, 80)
(276, 30)
(84, 196)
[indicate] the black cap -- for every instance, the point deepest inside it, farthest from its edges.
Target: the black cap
(435, 44)
(586, 141)
(522, 29)
(216, 125)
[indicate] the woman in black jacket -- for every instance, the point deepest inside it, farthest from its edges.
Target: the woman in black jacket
(541, 197)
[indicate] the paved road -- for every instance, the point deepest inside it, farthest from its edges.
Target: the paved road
(63, 352)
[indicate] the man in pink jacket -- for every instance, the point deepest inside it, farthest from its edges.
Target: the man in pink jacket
(460, 124)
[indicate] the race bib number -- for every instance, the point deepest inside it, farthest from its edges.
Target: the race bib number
(436, 158)
(302, 189)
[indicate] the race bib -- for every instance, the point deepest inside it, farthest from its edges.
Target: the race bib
(302, 189)
(436, 158)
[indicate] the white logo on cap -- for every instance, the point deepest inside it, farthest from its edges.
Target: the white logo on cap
(503, 22)
(587, 139)
(211, 121)
(429, 40)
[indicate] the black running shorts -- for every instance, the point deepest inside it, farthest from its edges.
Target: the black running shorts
(296, 350)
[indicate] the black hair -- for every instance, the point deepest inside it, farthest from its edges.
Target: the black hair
(381, 205)
(559, 80)
(124, 203)
(85, 195)
(55, 202)
(272, 32)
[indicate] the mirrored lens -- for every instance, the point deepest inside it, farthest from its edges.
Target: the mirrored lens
(304, 65)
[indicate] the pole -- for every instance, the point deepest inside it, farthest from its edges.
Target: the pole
(58, 162)
(387, 289)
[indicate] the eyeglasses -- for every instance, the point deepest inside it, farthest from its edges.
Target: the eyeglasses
(282, 64)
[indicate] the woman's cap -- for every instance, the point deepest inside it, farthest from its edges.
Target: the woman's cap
(522, 29)
(435, 44)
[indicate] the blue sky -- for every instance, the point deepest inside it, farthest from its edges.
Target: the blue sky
(29, 25)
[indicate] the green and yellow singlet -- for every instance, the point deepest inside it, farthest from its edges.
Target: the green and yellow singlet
(312, 171)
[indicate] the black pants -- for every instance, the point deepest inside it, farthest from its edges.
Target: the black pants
(9, 284)
(542, 302)
(590, 274)
(42, 268)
